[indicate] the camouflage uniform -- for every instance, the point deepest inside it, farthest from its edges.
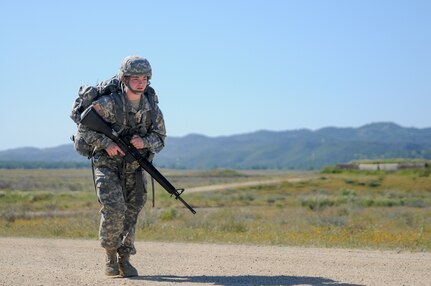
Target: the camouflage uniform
(121, 186)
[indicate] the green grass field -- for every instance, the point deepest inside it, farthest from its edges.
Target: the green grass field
(335, 209)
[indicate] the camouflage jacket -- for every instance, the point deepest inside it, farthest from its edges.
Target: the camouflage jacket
(147, 122)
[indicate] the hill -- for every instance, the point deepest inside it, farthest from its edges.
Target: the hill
(294, 149)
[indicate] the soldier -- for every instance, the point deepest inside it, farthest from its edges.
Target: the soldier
(121, 186)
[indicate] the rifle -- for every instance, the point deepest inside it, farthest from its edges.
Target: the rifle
(91, 119)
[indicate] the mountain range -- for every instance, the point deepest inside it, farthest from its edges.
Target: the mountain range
(294, 149)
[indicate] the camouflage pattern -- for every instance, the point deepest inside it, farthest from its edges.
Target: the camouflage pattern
(86, 95)
(135, 122)
(80, 144)
(121, 186)
(134, 65)
(122, 199)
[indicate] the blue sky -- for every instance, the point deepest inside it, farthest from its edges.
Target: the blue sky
(219, 67)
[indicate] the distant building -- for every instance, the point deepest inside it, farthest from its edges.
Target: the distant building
(382, 166)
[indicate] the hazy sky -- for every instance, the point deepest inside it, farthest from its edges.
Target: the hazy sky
(219, 67)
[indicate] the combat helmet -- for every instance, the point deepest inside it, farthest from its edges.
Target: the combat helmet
(134, 65)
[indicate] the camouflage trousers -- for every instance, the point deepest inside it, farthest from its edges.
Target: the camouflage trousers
(121, 190)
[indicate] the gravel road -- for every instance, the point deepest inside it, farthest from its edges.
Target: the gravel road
(28, 261)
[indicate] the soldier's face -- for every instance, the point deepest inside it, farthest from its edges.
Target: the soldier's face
(138, 83)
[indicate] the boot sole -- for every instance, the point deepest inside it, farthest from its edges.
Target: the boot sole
(128, 275)
(113, 273)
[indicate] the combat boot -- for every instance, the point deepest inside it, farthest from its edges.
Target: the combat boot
(126, 269)
(111, 266)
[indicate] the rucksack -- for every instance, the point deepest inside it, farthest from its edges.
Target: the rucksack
(86, 95)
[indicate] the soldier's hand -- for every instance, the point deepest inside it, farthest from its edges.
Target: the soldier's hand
(137, 141)
(114, 150)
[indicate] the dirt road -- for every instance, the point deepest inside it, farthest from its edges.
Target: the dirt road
(26, 261)
(221, 187)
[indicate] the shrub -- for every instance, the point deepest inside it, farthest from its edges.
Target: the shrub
(168, 214)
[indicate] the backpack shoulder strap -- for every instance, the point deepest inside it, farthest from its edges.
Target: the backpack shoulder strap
(120, 109)
(152, 99)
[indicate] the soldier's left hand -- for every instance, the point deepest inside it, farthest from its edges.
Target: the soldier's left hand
(137, 141)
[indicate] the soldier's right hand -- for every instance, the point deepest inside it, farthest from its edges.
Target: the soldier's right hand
(114, 150)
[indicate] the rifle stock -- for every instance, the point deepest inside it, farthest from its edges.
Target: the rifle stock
(91, 119)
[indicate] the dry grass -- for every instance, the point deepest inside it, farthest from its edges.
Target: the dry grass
(363, 210)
